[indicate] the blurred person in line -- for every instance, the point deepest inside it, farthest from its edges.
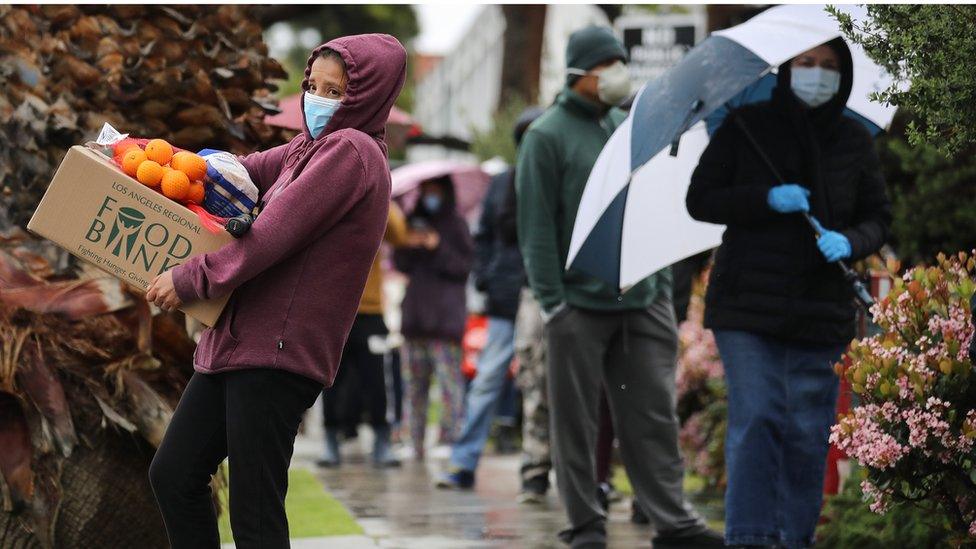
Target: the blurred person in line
(782, 315)
(529, 346)
(684, 273)
(532, 381)
(437, 258)
(508, 418)
(596, 336)
(294, 282)
(361, 372)
(394, 370)
(498, 272)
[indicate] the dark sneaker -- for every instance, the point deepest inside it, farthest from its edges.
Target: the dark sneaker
(591, 536)
(702, 540)
(327, 462)
(530, 497)
(637, 515)
(533, 490)
(602, 499)
(458, 479)
(331, 457)
(382, 451)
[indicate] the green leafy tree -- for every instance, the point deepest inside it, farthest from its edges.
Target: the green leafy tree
(499, 140)
(334, 20)
(932, 196)
(932, 47)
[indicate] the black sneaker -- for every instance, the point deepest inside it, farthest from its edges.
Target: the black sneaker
(702, 540)
(457, 479)
(602, 492)
(533, 490)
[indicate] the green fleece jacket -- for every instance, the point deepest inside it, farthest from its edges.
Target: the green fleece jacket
(555, 158)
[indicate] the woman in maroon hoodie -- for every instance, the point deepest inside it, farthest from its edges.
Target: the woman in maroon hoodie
(294, 281)
(438, 259)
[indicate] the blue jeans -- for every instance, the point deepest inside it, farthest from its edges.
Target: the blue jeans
(485, 393)
(782, 399)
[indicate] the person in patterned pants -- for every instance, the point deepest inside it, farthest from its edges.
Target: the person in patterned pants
(424, 359)
(531, 350)
(437, 258)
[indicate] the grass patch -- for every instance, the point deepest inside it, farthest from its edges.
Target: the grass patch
(312, 512)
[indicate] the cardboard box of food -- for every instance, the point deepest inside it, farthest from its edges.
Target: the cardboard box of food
(105, 217)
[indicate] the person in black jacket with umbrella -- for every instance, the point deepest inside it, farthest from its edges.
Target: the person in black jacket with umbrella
(782, 314)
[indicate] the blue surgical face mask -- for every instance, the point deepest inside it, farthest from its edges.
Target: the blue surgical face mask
(432, 203)
(814, 86)
(318, 112)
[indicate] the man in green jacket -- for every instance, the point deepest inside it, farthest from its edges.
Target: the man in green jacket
(596, 336)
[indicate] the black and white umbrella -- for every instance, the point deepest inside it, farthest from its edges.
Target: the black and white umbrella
(632, 219)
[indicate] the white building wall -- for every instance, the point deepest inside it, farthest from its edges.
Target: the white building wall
(462, 92)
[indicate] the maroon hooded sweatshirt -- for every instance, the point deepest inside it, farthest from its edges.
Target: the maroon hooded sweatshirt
(296, 277)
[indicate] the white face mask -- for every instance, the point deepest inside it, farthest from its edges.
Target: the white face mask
(814, 86)
(613, 84)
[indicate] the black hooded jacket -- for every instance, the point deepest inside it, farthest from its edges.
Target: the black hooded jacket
(434, 305)
(769, 276)
(498, 269)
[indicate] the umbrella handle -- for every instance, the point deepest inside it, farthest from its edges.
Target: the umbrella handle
(861, 292)
(756, 147)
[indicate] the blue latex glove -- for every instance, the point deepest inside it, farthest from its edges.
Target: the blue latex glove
(834, 246)
(788, 198)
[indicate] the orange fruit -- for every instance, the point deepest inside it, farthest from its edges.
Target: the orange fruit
(131, 160)
(149, 173)
(159, 151)
(193, 165)
(175, 184)
(196, 193)
(124, 146)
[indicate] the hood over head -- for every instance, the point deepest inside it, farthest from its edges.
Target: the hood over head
(827, 115)
(815, 126)
(376, 67)
(449, 206)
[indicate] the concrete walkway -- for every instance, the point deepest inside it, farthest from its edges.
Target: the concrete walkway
(343, 542)
(400, 508)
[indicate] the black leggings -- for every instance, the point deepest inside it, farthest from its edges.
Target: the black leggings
(250, 417)
(361, 377)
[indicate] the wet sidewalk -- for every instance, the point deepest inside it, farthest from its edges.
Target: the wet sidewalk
(400, 508)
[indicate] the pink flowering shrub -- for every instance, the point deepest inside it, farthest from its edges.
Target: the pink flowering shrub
(702, 396)
(915, 426)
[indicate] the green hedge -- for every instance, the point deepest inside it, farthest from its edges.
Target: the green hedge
(850, 524)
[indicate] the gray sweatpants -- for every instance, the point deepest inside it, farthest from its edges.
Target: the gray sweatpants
(634, 353)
